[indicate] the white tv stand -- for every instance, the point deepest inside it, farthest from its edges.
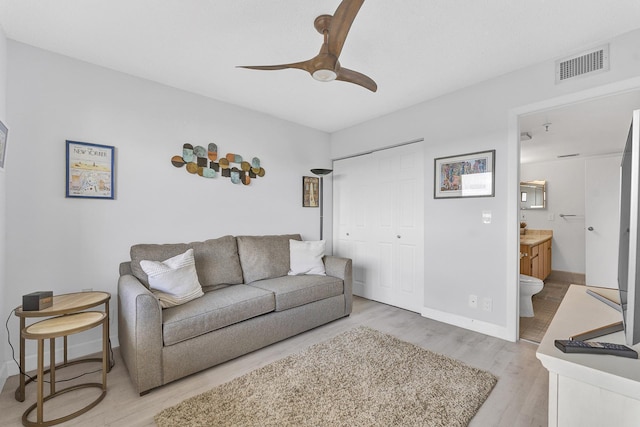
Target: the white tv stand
(587, 389)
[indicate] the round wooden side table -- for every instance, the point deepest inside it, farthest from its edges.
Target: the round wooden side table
(50, 329)
(62, 304)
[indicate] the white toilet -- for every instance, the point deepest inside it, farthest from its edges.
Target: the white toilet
(529, 286)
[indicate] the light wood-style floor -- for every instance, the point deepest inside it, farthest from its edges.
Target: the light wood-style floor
(545, 305)
(519, 399)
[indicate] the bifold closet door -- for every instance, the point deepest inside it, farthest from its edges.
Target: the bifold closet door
(378, 202)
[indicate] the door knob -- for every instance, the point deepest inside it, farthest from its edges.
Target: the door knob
(590, 228)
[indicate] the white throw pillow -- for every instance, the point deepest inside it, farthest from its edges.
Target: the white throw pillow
(173, 281)
(306, 257)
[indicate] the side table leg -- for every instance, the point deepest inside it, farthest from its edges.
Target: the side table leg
(105, 352)
(65, 350)
(19, 395)
(108, 326)
(40, 402)
(52, 365)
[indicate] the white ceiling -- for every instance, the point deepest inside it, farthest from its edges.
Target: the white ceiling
(592, 128)
(414, 49)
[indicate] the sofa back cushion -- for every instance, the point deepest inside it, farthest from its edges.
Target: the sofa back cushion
(264, 257)
(217, 261)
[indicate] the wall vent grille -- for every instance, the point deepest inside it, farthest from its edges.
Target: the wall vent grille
(590, 62)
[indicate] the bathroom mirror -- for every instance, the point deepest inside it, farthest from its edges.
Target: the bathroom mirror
(533, 195)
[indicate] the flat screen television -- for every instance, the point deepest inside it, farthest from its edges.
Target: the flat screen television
(628, 250)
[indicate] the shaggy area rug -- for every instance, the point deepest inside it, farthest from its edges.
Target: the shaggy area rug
(362, 377)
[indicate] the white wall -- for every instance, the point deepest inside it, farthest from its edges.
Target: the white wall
(66, 245)
(3, 277)
(565, 194)
(462, 255)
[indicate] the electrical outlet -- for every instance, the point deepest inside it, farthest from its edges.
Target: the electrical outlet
(473, 301)
(487, 304)
(523, 215)
(550, 217)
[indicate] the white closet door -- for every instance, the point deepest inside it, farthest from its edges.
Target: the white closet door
(378, 223)
(602, 222)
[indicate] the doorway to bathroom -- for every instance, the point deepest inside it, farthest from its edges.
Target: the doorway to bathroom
(568, 146)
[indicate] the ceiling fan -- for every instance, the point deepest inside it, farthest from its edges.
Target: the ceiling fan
(325, 66)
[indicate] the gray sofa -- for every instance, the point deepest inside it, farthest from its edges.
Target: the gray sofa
(249, 302)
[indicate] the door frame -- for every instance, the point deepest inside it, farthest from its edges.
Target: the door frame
(513, 179)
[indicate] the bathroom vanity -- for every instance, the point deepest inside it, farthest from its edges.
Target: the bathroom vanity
(535, 253)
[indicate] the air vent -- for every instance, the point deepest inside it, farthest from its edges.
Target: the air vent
(593, 61)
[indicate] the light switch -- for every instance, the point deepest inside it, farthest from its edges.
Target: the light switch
(486, 217)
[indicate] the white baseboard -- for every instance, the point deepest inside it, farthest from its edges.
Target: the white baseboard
(10, 368)
(358, 290)
(467, 323)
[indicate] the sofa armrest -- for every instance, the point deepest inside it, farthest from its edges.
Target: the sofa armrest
(140, 333)
(125, 268)
(342, 269)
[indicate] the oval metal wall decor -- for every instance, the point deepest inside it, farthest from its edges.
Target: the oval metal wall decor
(202, 162)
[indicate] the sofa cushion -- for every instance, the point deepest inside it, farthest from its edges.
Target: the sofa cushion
(294, 291)
(217, 261)
(264, 257)
(214, 310)
(151, 252)
(173, 281)
(306, 257)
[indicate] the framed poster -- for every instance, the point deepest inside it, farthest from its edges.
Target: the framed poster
(90, 172)
(3, 144)
(465, 175)
(310, 192)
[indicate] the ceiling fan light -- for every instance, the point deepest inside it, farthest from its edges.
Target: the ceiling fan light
(324, 75)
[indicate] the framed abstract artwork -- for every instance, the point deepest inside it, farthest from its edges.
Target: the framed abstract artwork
(90, 172)
(465, 175)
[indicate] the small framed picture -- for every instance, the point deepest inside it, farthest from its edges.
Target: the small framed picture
(310, 192)
(90, 172)
(3, 144)
(465, 175)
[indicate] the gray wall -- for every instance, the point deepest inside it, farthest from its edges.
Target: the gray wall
(3, 277)
(66, 245)
(463, 256)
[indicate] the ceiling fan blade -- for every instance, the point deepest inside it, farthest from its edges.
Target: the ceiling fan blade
(325, 66)
(355, 77)
(304, 65)
(341, 23)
